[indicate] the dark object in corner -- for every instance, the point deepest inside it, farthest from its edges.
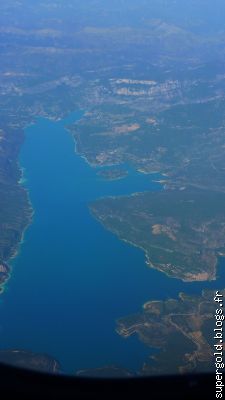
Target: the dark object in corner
(32, 385)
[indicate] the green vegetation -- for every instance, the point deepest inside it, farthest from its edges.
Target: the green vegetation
(181, 232)
(112, 174)
(152, 85)
(187, 322)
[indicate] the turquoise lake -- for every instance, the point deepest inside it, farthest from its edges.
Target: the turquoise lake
(72, 279)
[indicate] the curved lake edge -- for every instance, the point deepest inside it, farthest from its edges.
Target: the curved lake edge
(154, 276)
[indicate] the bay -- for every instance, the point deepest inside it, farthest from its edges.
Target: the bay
(72, 279)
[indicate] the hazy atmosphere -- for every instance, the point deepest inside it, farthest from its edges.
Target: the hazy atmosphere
(112, 185)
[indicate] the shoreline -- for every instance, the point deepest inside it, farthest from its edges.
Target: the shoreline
(111, 164)
(147, 258)
(15, 253)
(22, 181)
(30, 210)
(16, 248)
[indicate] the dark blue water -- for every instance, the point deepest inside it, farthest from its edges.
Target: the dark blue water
(72, 279)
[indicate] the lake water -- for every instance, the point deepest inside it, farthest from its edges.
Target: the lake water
(72, 279)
